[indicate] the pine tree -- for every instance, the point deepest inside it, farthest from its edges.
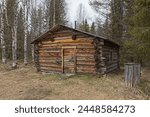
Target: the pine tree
(111, 11)
(81, 15)
(141, 29)
(84, 26)
(57, 12)
(116, 20)
(127, 19)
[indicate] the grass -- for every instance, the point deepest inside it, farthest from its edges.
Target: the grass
(25, 83)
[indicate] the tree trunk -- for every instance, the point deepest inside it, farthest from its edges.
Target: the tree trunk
(54, 18)
(14, 43)
(14, 46)
(26, 5)
(25, 47)
(2, 40)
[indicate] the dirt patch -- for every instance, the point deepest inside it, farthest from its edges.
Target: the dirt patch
(25, 83)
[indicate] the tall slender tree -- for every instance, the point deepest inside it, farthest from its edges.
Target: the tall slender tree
(34, 25)
(81, 14)
(117, 20)
(3, 47)
(57, 12)
(141, 29)
(112, 13)
(26, 8)
(20, 34)
(14, 37)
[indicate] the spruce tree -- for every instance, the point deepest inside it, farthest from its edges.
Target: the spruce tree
(57, 12)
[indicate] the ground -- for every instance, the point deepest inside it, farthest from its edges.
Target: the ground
(25, 83)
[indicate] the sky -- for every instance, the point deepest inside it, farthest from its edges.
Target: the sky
(73, 6)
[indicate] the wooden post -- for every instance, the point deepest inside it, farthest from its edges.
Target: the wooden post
(132, 74)
(75, 25)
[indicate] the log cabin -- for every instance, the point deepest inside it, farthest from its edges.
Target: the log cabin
(66, 50)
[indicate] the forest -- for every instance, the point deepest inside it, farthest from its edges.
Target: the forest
(126, 22)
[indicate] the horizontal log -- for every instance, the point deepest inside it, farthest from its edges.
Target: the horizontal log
(84, 58)
(66, 44)
(50, 51)
(69, 56)
(83, 46)
(52, 65)
(50, 47)
(50, 62)
(69, 68)
(69, 65)
(85, 50)
(49, 55)
(69, 51)
(86, 63)
(49, 58)
(84, 55)
(62, 39)
(86, 67)
(60, 46)
(66, 40)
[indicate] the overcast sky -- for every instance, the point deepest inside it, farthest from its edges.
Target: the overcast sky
(73, 6)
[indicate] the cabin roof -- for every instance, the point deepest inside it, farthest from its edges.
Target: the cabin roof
(55, 28)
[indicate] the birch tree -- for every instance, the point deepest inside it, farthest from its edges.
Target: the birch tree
(14, 38)
(3, 46)
(46, 10)
(33, 25)
(26, 7)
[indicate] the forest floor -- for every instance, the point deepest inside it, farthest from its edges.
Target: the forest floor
(24, 83)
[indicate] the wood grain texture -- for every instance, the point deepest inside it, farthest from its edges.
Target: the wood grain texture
(59, 52)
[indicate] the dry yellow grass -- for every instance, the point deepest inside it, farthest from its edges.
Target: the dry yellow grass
(25, 83)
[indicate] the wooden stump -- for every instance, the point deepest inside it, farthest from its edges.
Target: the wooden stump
(132, 74)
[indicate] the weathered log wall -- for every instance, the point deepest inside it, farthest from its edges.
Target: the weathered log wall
(111, 56)
(80, 60)
(75, 52)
